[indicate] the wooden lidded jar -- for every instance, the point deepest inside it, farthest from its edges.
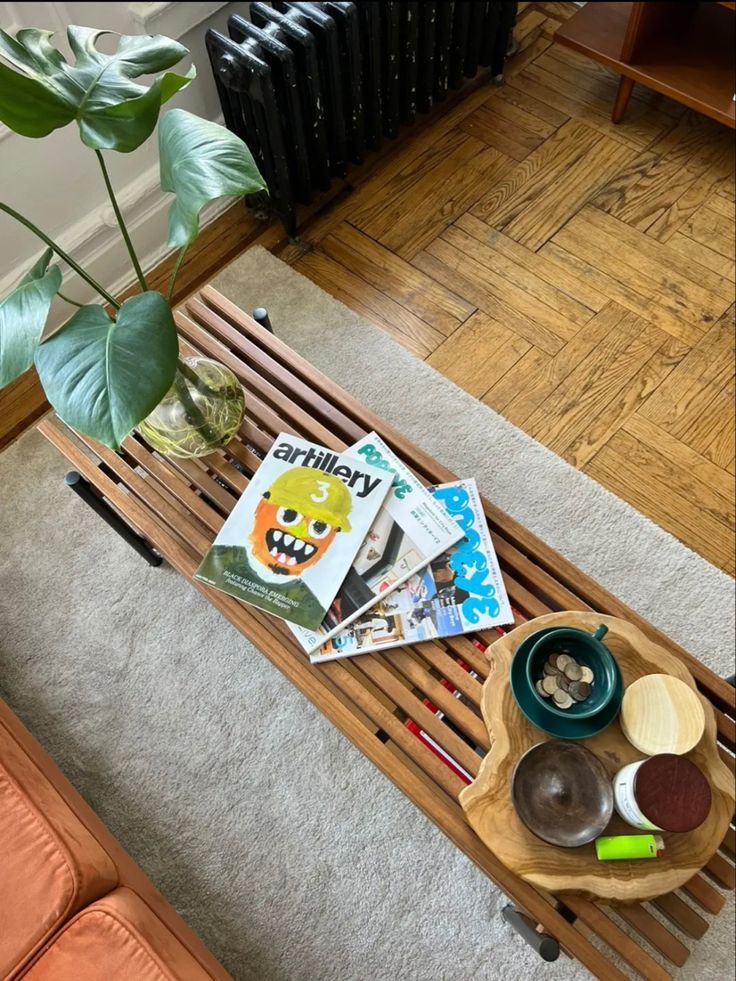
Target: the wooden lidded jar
(664, 793)
(661, 714)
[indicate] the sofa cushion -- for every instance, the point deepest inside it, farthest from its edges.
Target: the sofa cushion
(118, 938)
(50, 864)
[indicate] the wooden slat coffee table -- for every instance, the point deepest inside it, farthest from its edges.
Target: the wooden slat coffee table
(177, 507)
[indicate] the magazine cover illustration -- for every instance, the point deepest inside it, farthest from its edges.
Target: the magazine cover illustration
(460, 591)
(291, 538)
(411, 528)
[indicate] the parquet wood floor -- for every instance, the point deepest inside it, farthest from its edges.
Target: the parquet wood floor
(575, 275)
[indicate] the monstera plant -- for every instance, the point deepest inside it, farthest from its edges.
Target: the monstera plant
(114, 366)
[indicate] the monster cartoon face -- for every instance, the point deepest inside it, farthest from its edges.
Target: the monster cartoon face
(297, 519)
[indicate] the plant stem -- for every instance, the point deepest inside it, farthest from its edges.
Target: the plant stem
(193, 378)
(175, 273)
(61, 254)
(194, 415)
(68, 299)
(121, 223)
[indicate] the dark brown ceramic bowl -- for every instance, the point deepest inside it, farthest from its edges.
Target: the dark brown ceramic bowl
(562, 793)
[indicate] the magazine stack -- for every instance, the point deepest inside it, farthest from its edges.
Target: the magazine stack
(355, 553)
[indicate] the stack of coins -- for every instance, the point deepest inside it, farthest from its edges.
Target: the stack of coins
(564, 680)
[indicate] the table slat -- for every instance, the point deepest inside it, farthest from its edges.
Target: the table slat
(722, 871)
(704, 894)
(454, 709)
(681, 915)
(438, 658)
(457, 748)
(649, 927)
(625, 946)
(178, 487)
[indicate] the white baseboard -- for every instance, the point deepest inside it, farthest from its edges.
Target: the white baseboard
(171, 19)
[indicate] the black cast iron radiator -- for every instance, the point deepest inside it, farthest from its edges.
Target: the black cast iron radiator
(311, 86)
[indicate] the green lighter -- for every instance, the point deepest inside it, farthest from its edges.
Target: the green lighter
(628, 846)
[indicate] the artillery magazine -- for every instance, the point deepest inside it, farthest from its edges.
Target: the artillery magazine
(291, 538)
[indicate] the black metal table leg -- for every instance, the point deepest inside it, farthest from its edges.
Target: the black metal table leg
(83, 489)
(547, 947)
(260, 315)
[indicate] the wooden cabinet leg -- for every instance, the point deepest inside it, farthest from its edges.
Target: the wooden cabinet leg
(625, 86)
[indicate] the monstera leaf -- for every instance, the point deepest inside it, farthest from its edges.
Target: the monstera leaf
(104, 376)
(22, 317)
(201, 161)
(42, 92)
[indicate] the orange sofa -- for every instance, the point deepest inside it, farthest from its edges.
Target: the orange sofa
(74, 906)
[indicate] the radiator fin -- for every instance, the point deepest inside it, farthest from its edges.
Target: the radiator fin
(311, 87)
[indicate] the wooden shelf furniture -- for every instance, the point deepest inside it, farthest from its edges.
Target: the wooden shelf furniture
(178, 506)
(684, 50)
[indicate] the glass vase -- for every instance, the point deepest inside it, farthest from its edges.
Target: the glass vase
(200, 413)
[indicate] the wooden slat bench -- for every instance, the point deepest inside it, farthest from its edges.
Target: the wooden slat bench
(177, 506)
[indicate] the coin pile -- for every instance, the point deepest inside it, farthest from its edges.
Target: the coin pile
(565, 681)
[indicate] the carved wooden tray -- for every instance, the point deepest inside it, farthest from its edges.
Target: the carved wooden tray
(487, 801)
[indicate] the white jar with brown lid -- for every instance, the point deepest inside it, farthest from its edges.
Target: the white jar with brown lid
(664, 793)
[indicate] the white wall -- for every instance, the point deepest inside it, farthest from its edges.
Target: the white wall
(56, 181)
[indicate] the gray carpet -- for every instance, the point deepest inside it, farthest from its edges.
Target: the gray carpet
(289, 854)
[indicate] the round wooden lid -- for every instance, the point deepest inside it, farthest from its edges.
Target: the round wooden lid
(661, 714)
(672, 792)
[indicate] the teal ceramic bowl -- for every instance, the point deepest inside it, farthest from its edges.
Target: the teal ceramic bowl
(535, 709)
(588, 650)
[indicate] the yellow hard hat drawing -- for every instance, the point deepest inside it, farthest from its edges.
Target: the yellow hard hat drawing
(297, 520)
(314, 493)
